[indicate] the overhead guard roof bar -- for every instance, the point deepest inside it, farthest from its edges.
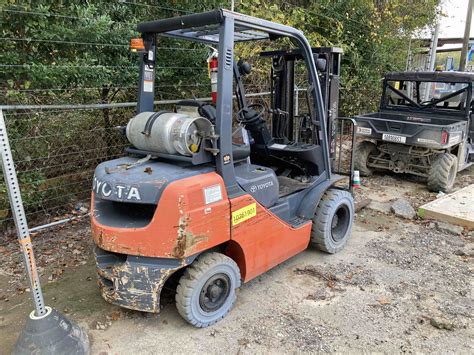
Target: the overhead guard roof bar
(182, 22)
(203, 27)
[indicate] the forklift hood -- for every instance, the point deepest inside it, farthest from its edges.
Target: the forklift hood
(133, 180)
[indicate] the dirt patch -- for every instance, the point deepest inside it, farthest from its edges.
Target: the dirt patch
(284, 330)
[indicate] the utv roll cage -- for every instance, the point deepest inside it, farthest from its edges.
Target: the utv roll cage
(432, 105)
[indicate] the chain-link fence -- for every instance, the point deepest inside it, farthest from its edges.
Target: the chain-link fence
(55, 153)
(56, 150)
(66, 88)
(67, 79)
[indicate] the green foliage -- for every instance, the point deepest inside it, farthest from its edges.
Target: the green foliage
(59, 52)
(80, 45)
(53, 44)
(373, 34)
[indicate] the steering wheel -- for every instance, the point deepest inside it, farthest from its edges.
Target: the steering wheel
(257, 107)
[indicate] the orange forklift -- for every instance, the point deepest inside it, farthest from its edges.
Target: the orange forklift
(212, 196)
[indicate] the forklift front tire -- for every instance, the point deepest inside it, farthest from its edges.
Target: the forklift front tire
(361, 157)
(332, 223)
(207, 289)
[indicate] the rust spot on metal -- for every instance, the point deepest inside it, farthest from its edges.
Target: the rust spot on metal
(134, 287)
(186, 240)
(100, 238)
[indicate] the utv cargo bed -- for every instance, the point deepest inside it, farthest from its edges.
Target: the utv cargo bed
(424, 126)
(412, 129)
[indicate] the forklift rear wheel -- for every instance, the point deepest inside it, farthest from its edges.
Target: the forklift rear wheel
(332, 223)
(206, 291)
(443, 173)
(361, 157)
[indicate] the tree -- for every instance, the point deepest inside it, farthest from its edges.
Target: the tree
(60, 52)
(373, 34)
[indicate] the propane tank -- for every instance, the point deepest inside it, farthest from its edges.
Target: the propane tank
(212, 65)
(168, 132)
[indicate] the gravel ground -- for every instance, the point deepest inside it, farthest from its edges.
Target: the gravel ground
(399, 285)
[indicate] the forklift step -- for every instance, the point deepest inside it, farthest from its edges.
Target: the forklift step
(297, 221)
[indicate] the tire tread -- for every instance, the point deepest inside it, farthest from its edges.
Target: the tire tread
(319, 239)
(438, 175)
(188, 281)
(361, 156)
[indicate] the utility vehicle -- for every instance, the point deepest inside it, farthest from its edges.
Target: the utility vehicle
(212, 196)
(424, 127)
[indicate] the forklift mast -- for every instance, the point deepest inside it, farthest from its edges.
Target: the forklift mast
(283, 89)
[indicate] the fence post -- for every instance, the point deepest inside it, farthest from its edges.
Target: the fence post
(45, 331)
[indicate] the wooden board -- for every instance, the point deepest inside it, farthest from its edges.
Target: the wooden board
(455, 208)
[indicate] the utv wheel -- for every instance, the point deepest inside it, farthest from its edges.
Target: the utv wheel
(443, 172)
(332, 223)
(361, 157)
(206, 291)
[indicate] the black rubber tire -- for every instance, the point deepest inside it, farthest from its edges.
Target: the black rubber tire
(363, 150)
(191, 284)
(443, 172)
(323, 235)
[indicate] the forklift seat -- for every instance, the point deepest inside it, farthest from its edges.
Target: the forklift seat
(205, 109)
(240, 145)
(240, 151)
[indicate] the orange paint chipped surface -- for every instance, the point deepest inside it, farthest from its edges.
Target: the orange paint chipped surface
(260, 241)
(182, 224)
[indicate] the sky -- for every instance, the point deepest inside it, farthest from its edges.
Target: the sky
(453, 24)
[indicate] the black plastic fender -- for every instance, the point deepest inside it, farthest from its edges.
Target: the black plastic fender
(310, 202)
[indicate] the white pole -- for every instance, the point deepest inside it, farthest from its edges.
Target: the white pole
(431, 59)
(433, 47)
(465, 42)
(409, 57)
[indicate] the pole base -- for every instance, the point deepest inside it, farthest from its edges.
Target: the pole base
(52, 333)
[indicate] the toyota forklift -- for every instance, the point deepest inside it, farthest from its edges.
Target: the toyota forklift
(210, 195)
